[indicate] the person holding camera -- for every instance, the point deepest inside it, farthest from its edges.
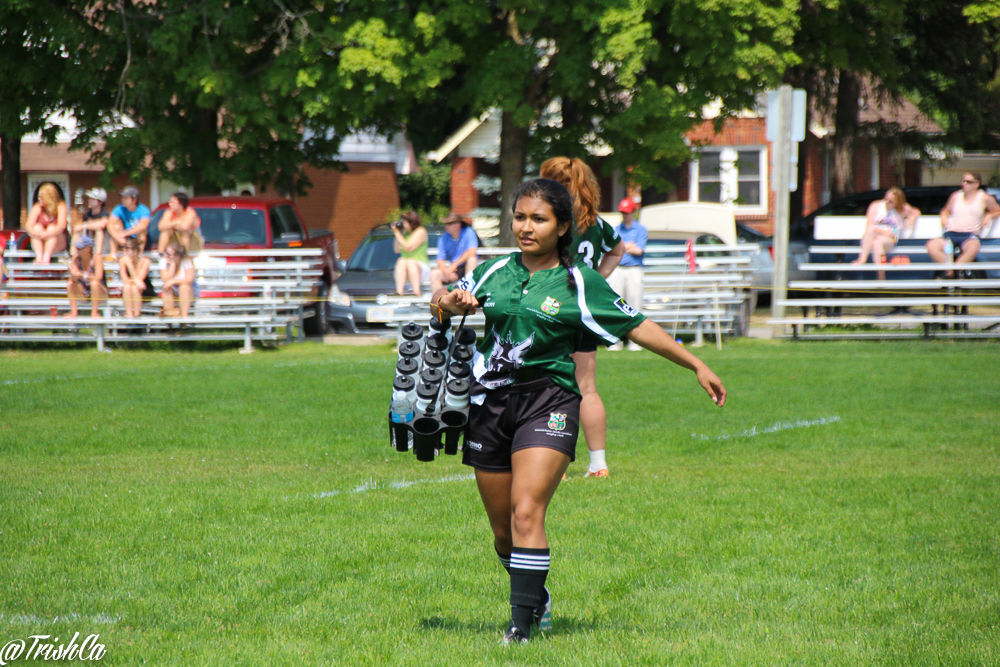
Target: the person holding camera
(413, 264)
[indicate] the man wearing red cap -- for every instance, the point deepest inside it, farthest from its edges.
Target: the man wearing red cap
(626, 279)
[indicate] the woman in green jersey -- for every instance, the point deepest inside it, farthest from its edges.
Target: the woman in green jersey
(540, 306)
(597, 245)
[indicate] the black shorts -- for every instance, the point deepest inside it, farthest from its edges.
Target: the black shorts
(589, 344)
(959, 238)
(530, 414)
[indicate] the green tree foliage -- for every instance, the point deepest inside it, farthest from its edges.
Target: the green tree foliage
(427, 191)
(220, 92)
(633, 75)
(49, 62)
(952, 51)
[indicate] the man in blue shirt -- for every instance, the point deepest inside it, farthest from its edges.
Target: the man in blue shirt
(130, 218)
(626, 279)
(456, 256)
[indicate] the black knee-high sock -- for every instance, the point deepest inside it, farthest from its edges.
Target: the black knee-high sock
(504, 560)
(528, 570)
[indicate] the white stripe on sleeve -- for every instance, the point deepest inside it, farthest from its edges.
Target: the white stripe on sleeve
(585, 315)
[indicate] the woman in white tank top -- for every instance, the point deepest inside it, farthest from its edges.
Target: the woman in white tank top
(887, 219)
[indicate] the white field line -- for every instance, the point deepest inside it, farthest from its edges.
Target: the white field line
(31, 619)
(196, 369)
(773, 428)
(372, 485)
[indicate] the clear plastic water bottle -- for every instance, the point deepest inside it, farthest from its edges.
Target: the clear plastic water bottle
(401, 409)
(12, 242)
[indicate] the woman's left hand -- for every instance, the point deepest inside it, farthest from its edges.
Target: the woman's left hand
(712, 384)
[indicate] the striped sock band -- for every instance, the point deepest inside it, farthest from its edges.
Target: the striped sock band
(528, 571)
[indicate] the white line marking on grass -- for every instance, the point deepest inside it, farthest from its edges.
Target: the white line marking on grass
(196, 369)
(31, 619)
(372, 485)
(774, 428)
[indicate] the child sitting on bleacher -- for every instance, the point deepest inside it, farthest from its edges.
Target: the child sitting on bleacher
(179, 281)
(134, 272)
(86, 278)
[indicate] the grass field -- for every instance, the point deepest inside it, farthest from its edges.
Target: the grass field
(211, 508)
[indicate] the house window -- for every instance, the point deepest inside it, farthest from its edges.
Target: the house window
(731, 175)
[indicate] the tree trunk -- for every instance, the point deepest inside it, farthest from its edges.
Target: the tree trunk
(846, 129)
(513, 157)
(10, 163)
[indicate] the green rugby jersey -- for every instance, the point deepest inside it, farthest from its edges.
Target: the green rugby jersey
(590, 246)
(534, 323)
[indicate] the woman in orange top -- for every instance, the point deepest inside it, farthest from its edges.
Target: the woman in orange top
(46, 224)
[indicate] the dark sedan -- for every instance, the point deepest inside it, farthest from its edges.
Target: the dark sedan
(359, 301)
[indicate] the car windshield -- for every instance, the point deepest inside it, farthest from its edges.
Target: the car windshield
(376, 254)
(224, 225)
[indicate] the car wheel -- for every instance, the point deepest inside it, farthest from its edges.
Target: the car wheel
(318, 324)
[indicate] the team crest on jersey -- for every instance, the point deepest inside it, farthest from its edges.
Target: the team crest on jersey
(557, 421)
(551, 306)
(465, 283)
(505, 358)
(625, 308)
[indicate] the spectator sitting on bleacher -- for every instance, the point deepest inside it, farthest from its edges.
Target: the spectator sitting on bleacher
(95, 220)
(179, 224)
(46, 224)
(130, 218)
(456, 257)
(134, 272)
(965, 219)
(179, 281)
(86, 279)
(886, 219)
(411, 244)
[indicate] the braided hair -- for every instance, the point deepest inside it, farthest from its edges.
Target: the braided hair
(555, 195)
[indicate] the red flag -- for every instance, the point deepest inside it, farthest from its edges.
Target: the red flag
(689, 256)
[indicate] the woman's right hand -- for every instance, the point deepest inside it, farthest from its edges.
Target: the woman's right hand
(458, 302)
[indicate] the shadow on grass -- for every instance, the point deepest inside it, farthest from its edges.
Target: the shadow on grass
(561, 626)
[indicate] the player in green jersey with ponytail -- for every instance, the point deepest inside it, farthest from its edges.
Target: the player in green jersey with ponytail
(597, 245)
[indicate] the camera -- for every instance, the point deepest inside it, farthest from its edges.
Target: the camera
(397, 225)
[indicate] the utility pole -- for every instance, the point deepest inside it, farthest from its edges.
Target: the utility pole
(782, 144)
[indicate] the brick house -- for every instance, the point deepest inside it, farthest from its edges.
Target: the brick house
(348, 202)
(733, 164)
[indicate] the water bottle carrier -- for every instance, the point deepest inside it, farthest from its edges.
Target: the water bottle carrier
(437, 426)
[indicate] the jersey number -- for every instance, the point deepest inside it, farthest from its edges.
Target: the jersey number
(586, 251)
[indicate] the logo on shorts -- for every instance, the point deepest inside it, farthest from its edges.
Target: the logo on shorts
(557, 422)
(625, 308)
(551, 306)
(478, 446)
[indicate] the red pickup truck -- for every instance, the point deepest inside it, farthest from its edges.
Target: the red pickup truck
(261, 223)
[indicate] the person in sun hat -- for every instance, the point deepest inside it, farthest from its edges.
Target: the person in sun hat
(456, 256)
